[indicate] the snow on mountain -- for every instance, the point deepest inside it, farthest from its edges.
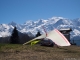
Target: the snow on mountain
(49, 24)
(76, 22)
(5, 30)
(12, 23)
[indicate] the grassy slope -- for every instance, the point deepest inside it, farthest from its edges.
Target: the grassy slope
(36, 52)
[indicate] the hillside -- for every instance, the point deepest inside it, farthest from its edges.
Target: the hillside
(36, 52)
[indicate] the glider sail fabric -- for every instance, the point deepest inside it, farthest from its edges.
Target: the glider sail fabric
(58, 38)
(34, 42)
(36, 39)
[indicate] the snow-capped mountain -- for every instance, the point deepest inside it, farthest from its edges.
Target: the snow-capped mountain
(48, 24)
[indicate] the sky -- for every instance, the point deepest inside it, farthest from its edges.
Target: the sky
(20, 11)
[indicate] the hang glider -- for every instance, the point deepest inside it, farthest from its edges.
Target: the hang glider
(57, 37)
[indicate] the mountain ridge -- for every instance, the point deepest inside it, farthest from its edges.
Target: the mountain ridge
(48, 24)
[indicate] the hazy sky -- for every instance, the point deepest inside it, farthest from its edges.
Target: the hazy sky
(20, 11)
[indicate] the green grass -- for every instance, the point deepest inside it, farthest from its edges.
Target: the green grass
(37, 52)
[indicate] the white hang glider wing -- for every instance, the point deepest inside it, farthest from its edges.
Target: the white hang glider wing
(37, 38)
(56, 37)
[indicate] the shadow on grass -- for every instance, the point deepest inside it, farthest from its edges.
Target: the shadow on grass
(68, 51)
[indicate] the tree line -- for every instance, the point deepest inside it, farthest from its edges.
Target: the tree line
(17, 37)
